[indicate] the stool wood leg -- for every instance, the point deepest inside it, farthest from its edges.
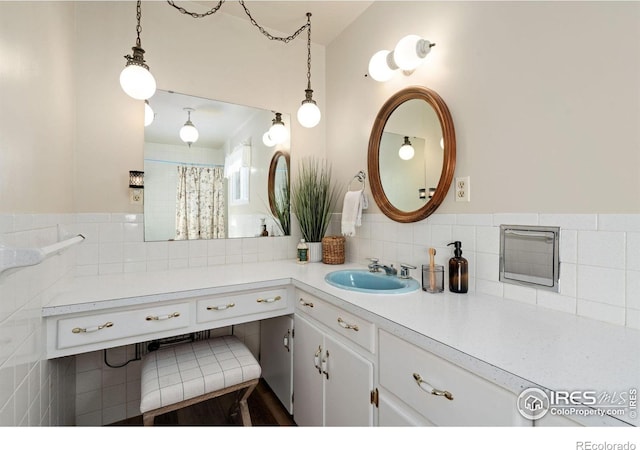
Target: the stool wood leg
(244, 408)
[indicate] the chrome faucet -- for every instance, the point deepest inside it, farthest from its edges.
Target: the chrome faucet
(375, 266)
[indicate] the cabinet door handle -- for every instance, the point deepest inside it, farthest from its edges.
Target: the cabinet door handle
(220, 307)
(325, 364)
(269, 300)
(430, 389)
(347, 326)
(285, 340)
(77, 330)
(305, 303)
(316, 359)
(165, 317)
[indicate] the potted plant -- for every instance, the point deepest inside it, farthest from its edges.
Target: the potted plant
(312, 200)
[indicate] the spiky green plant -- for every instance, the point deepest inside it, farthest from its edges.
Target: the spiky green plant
(313, 197)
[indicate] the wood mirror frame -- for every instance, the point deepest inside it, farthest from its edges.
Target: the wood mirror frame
(449, 156)
(271, 182)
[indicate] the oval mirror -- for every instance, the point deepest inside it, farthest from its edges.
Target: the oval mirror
(278, 191)
(412, 154)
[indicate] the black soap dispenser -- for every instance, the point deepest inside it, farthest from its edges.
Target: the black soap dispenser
(458, 270)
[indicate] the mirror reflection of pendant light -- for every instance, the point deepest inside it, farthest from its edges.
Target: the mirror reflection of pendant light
(278, 133)
(189, 133)
(406, 152)
(266, 140)
(149, 115)
(135, 79)
(309, 113)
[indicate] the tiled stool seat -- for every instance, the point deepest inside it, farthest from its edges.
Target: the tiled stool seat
(186, 374)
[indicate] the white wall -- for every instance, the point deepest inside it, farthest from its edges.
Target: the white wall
(219, 57)
(545, 97)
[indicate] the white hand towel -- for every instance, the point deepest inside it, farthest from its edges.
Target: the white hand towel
(352, 212)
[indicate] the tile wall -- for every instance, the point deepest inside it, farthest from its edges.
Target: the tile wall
(599, 256)
(600, 279)
(34, 391)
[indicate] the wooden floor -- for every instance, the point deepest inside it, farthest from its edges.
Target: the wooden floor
(264, 407)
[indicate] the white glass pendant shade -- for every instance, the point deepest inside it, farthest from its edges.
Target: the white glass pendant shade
(309, 114)
(189, 133)
(410, 51)
(149, 115)
(266, 140)
(379, 69)
(406, 152)
(137, 82)
(278, 133)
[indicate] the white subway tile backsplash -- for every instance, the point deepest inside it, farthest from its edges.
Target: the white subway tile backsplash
(487, 240)
(601, 311)
(570, 221)
(633, 289)
(619, 222)
(568, 246)
(515, 219)
(602, 285)
(633, 251)
(520, 293)
(601, 248)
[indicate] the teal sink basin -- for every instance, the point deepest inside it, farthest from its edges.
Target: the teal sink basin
(370, 282)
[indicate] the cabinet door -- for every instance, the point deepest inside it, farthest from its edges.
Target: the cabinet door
(394, 414)
(276, 357)
(348, 382)
(307, 380)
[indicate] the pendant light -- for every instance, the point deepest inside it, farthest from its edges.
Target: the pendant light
(278, 133)
(309, 113)
(189, 133)
(406, 152)
(135, 79)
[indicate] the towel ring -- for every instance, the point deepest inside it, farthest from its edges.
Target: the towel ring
(361, 177)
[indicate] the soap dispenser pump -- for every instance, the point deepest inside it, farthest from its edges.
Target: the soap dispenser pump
(458, 270)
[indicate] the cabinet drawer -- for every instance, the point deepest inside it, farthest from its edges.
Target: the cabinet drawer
(346, 324)
(89, 329)
(233, 305)
(475, 401)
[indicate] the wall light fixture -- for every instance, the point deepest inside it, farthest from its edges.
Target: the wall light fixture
(407, 55)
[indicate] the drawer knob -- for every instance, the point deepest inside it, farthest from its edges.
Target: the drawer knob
(269, 300)
(165, 317)
(430, 389)
(220, 307)
(77, 330)
(347, 326)
(305, 303)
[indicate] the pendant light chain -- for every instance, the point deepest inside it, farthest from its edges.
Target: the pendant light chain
(215, 9)
(308, 50)
(138, 18)
(194, 14)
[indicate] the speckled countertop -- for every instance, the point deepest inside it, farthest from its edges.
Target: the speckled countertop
(517, 345)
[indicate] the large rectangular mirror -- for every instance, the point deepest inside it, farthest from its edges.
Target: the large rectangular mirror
(217, 185)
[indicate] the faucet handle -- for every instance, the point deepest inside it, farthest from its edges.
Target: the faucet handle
(404, 270)
(373, 267)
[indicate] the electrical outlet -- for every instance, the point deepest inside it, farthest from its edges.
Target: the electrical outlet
(136, 196)
(463, 189)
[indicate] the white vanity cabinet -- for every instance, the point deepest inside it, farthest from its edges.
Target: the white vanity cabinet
(332, 378)
(106, 326)
(413, 380)
(276, 357)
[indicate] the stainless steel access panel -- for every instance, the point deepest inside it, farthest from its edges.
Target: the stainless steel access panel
(529, 256)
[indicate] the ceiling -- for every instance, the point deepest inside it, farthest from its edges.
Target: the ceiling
(328, 18)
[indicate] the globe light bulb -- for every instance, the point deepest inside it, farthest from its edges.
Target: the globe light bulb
(149, 115)
(309, 114)
(379, 68)
(189, 134)
(410, 51)
(266, 140)
(406, 152)
(137, 82)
